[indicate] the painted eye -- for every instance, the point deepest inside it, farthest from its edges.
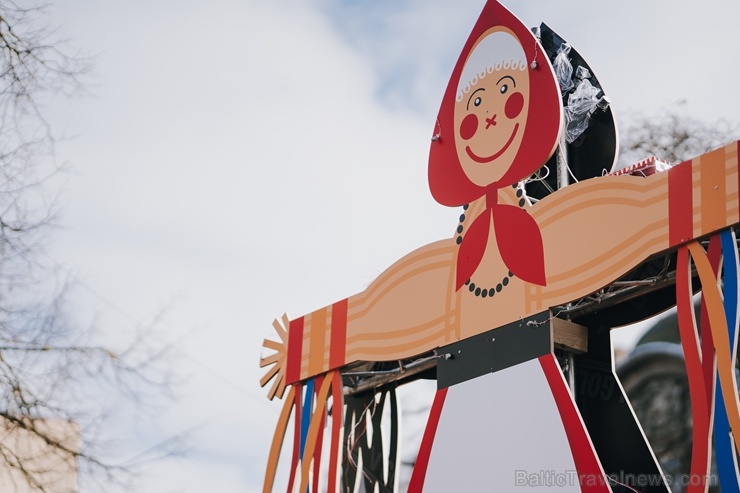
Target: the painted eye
(504, 88)
(477, 101)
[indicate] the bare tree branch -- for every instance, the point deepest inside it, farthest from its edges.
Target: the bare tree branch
(50, 371)
(672, 136)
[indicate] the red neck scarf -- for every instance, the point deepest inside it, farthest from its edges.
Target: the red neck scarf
(518, 239)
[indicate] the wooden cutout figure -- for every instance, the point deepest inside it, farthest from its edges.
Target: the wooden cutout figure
(508, 259)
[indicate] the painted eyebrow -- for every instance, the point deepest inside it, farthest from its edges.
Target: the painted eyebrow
(506, 77)
(467, 106)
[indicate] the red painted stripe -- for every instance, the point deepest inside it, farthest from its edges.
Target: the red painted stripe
(699, 410)
(295, 349)
(337, 416)
(714, 254)
(338, 334)
(416, 484)
(680, 204)
(590, 474)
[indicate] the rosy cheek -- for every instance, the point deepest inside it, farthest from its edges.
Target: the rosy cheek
(469, 126)
(514, 105)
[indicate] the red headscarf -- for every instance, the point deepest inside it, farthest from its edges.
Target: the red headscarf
(518, 235)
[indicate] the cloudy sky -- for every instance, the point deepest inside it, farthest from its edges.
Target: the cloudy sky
(238, 159)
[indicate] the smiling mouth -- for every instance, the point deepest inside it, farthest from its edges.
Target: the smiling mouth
(488, 159)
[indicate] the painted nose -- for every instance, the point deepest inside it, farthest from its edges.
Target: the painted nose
(491, 121)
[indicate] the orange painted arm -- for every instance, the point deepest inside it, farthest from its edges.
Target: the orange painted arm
(404, 312)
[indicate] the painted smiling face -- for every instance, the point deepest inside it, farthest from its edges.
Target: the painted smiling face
(491, 106)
